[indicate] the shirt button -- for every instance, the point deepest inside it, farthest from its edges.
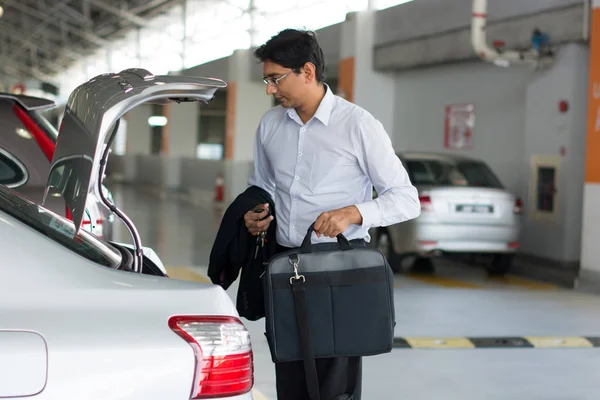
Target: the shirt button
(300, 153)
(293, 226)
(297, 177)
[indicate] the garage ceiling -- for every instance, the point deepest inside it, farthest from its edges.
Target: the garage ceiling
(40, 38)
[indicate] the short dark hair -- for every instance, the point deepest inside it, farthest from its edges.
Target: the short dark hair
(292, 48)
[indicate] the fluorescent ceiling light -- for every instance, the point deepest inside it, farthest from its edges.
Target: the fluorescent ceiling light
(24, 133)
(157, 120)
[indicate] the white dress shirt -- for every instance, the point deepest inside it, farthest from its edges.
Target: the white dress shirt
(332, 161)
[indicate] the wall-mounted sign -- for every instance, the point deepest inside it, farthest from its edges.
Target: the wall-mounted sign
(458, 126)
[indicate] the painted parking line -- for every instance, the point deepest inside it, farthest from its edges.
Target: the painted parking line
(187, 274)
(478, 282)
(513, 280)
(256, 395)
(439, 343)
(443, 281)
(500, 342)
(559, 342)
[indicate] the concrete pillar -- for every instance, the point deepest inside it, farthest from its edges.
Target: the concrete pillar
(246, 104)
(180, 138)
(137, 139)
(357, 82)
(182, 129)
(590, 250)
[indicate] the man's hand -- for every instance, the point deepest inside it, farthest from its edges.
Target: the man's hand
(253, 220)
(332, 223)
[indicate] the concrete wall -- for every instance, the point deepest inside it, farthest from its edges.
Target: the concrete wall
(403, 41)
(546, 131)
(213, 69)
(499, 99)
(406, 21)
(330, 38)
(516, 116)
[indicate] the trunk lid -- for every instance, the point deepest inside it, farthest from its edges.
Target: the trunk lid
(90, 116)
(471, 205)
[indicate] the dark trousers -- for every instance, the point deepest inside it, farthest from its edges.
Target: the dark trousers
(337, 376)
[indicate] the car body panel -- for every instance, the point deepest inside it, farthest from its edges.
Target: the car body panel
(24, 363)
(460, 219)
(106, 330)
(91, 114)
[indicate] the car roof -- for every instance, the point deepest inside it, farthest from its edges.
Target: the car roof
(445, 157)
(30, 103)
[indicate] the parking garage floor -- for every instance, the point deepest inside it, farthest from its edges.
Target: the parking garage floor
(461, 334)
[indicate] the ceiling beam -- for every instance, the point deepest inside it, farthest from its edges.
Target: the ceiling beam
(131, 17)
(14, 34)
(56, 22)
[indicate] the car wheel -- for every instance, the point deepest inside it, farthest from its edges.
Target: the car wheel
(383, 243)
(422, 265)
(500, 264)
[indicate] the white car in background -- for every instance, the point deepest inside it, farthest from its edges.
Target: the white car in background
(465, 210)
(85, 318)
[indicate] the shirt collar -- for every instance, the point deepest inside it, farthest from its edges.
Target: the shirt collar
(323, 112)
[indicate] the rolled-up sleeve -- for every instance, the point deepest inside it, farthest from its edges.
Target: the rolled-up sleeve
(262, 175)
(397, 199)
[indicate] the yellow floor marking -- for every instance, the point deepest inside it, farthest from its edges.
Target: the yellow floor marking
(522, 282)
(186, 274)
(256, 395)
(441, 281)
(439, 343)
(558, 341)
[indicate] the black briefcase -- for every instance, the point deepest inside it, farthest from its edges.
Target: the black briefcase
(323, 302)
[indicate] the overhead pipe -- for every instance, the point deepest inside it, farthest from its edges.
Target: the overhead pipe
(500, 57)
(586, 19)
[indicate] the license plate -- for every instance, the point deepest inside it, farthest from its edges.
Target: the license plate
(474, 208)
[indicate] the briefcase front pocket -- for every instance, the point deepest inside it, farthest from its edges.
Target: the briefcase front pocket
(361, 322)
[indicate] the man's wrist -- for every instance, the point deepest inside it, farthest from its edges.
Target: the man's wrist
(354, 215)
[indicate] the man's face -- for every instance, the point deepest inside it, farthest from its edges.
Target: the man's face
(284, 85)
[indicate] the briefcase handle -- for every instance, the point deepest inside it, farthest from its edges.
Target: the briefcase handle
(306, 243)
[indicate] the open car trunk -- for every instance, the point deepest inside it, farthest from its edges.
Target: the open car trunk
(90, 120)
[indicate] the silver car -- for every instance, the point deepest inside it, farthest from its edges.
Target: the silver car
(27, 143)
(465, 210)
(81, 317)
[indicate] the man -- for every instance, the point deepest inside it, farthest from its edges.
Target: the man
(319, 156)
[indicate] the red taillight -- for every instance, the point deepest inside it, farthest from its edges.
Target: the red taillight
(518, 206)
(513, 245)
(425, 203)
(68, 213)
(224, 359)
(88, 222)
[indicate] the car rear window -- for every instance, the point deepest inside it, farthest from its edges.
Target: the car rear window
(10, 172)
(460, 173)
(59, 229)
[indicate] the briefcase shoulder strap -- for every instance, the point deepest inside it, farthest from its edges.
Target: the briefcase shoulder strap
(310, 366)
